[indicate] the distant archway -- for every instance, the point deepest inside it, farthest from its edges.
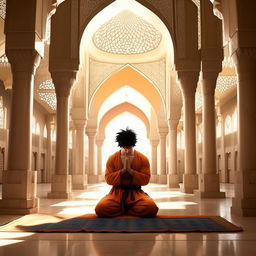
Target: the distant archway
(119, 122)
(119, 109)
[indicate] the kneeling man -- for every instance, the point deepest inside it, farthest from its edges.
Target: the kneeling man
(127, 170)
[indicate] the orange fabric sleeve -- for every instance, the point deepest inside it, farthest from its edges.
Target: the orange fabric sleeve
(142, 176)
(112, 176)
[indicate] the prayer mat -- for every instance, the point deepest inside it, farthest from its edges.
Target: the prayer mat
(129, 224)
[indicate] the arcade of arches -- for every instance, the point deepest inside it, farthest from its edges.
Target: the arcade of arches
(183, 69)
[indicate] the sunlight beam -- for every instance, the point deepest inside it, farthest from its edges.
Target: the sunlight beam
(9, 242)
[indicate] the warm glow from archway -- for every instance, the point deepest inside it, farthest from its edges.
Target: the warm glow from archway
(125, 94)
(121, 122)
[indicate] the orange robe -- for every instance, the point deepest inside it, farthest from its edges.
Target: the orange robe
(137, 202)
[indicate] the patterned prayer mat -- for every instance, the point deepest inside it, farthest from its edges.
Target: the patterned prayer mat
(90, 223)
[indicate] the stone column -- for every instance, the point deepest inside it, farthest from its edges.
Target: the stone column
(19, 181)
(223, 148)
(244, 202)
(154, 144)
(198, 145)
(173, 180)
(188, 81)
(162, 177)
(61, 184)
(79, 179)
(92, 177)
(49, 124)
(40, 178)
(99, 143)
(73, 151)
(209, 184)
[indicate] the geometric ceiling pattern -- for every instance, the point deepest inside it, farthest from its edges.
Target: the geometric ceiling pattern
(47, 85)
(127, 33)
(2, 8)
(46, 92)
(225, 82)
(197, 3)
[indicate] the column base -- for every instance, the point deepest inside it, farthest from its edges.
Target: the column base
(19, 206)
(173, 181)
(79, 181)
(190, 183)
(162, 179)
(59, 195)
(209, 194)
(209, 186)
(61, 187)
(153, 178)
(19, 192)
(245, 207)
(79, 186)
(92, 179)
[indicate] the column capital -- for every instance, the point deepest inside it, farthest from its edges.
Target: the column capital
(79, 124)
(181, 125)
(154, 143)
(188, 81)
(91, 131)
(63, 82)
(163, 131)
(99, 142)
(244, 56)
(245, 60)
(173, 124)
(23, 61)
(50, 119)
(209, 79)
(71, 126)
(219, 111)
(198, 118)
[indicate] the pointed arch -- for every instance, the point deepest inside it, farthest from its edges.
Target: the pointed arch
(125, 76)
(119, 109)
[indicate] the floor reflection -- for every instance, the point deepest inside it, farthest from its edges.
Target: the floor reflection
(123, 248)
(170, 202)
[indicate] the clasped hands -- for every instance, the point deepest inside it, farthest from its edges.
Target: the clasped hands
(127, 166)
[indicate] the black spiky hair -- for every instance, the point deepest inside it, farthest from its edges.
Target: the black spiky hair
(126, 138)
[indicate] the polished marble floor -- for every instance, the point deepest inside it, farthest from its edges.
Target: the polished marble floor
(170, 201)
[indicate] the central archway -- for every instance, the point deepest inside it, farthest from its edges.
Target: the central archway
(117, 110)
(127, 75)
